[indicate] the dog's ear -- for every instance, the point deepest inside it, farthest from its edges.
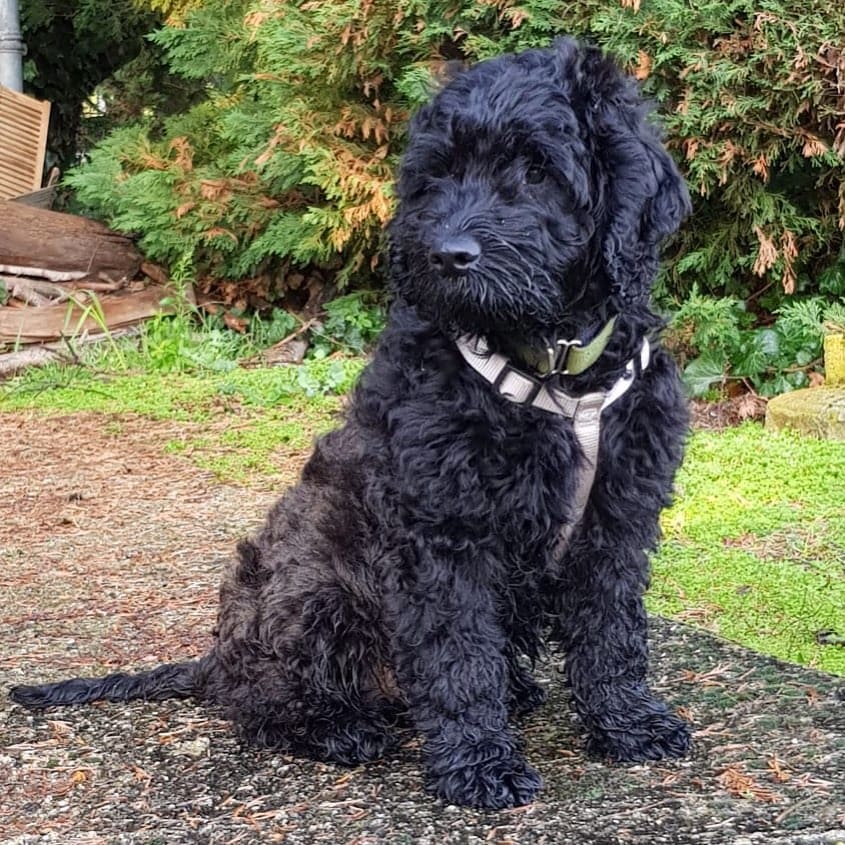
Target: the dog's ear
(645, 197)
(647, 201)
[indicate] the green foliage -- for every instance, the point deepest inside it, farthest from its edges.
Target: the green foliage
(267, 329)
(749, 102)
(351, 325)
(190, 340)
(717, 340)
(72, 47)
(288, 161)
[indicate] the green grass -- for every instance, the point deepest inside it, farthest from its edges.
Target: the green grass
(63, 389)
(256, 446)
(244, 422)
(754, 547)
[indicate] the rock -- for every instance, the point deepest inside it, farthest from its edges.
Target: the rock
(818, 411)
(193, 747)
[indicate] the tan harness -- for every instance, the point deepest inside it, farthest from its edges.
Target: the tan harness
(585, 411)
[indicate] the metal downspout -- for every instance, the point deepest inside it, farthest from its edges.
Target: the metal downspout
(11, 46)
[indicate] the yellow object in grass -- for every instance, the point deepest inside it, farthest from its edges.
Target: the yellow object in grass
(834, 358)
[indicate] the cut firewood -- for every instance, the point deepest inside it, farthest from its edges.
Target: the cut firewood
(62, 247)
(154, 272)
(73, 318)
(97, 287)
(34, 291)
(12, 363)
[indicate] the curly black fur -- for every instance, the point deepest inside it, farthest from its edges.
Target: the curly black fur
(411, 569)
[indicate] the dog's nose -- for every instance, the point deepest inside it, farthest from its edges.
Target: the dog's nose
(455, 254)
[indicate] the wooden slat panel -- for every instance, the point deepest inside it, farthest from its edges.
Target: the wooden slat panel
(23, 140)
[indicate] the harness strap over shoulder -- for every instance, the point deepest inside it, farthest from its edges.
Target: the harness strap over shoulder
(585, 411)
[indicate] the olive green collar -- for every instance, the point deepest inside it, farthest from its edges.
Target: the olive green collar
(566, 357)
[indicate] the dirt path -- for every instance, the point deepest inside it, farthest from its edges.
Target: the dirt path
(110, 551)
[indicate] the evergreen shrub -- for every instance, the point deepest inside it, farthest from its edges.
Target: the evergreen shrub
(287, 163)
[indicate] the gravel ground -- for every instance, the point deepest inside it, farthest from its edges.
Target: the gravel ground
(109, 554)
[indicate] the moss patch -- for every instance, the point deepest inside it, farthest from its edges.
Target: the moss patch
(263, 449)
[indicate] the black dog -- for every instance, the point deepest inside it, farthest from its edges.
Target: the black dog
(471, 506)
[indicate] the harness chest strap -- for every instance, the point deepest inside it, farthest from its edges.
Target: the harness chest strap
(584, 411)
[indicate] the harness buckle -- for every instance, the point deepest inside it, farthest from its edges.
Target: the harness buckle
(530, 396)
(558, 355)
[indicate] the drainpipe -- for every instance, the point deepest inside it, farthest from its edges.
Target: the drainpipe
(11, 46)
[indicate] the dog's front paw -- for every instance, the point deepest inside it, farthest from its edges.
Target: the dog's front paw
(656, 736)
(490, 780)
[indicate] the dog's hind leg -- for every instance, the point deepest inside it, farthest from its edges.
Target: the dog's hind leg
(312, 683)
(526, 695)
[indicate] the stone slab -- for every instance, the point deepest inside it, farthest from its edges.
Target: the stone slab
(816, 411)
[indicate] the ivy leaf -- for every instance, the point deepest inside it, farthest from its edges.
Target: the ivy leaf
(803, 357)
(769, 342)
(702, 372)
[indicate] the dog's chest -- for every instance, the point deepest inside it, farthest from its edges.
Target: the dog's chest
(528, 476)
(507, 473)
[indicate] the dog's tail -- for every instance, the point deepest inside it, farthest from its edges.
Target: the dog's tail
(172, 680)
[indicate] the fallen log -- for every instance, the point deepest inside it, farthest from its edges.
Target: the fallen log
(62, 247)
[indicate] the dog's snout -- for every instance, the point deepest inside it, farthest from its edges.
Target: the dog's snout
(455, 254)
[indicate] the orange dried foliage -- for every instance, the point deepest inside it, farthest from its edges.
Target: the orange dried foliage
(779, 773)
(367, 127)
(255, 19)
(761, 167)
(184, 153)
(767, 254)
(789, 250)
(690, 146)
(150, 161)
(216, 190)
(238, 324)
(813, 146)
(515, 17)
(218, 232)
(642, 69)
(841, 220)
(741, 785)
(280, 136)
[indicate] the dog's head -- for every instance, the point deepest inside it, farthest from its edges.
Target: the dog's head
(533, 189)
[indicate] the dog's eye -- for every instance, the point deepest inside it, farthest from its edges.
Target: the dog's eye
(534, 175)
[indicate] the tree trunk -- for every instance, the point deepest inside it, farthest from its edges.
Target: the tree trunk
(62, 247)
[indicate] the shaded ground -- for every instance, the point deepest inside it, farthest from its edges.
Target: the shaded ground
(109, 556)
